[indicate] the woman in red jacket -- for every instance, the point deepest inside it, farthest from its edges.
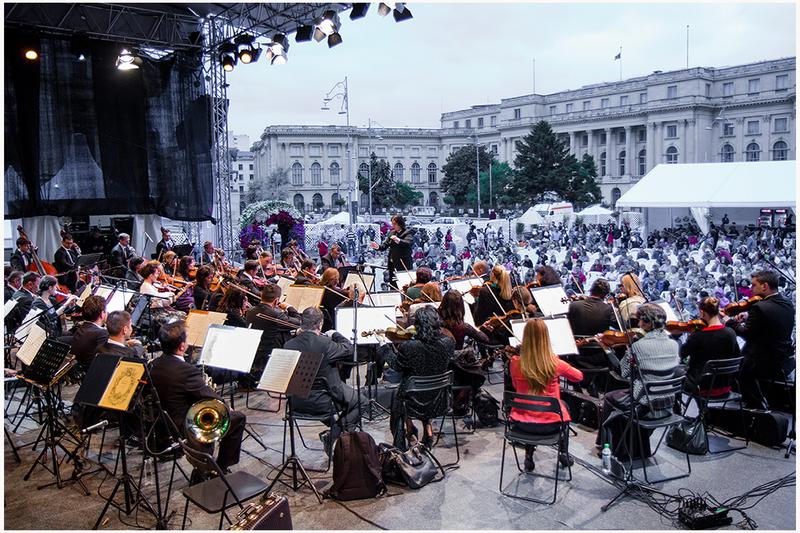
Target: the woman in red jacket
(536, 371)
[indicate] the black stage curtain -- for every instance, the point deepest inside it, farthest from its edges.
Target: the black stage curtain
(84, 138)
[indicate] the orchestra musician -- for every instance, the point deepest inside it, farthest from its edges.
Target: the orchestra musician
(547, 276)
(119, 342)
(89, 335)
(25, 296)
(307, 274)
(632, 290)
(590, 316)
(247, 276)
(266, 269)
(334, 258)
(398, 241)
(13, 284)
(523, 302)
(289, 260)
(166, 243)
(451, 311)
(299, 253)
(767, 331)
(332, 297)
(22, 257)
(275, 334)
(251, 252)
(50, 318)
(207, 255)
(234, 304)
(65, 260)
(495, 296)
(132, 275)
(424, 275)
(202, 288)
(121, 253)
(160, 304)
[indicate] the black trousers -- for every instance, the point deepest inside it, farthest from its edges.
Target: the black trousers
(230, 445)
(752, 374)
(541, 429)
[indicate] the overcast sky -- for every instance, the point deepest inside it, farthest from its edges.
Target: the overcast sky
(452, 56)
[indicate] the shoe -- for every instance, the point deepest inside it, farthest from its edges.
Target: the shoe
(529, 464)
(427, 441)
(325, 437)
(565, 459)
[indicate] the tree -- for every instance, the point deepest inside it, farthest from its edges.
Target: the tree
(406, 195)
(459, 172)
(384, 191)
(502, 179)
(544, 165)
(274, 187)
(583, 189)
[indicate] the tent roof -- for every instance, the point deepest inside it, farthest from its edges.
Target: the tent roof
(596, 209)
(339, 218)
(747, 184)
(531, 217)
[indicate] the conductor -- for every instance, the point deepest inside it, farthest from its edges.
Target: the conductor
(398, 241)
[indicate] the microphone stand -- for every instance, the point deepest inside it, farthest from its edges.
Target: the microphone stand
(355, 354)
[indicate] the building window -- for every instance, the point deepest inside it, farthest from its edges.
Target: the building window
(241, 167)
(672, 131)
(642, 162)
(781, 82)
(727, 153)
(363, 169)
(621, 163)
(604, 103)
(781, 125)
(433, 199)
(569, 108)
(454, 148)
(398, 151)
(603, 163)
(553, 109)
(585, 140)
(727, 129)
(381, 151)
(316, 174)
(642, 135)
(299, 202)
(251, 167)
(297, 174)
(672, 91)
(334, 200)
(317, 202)
(727, 89)
(241, 189)
(333, 150)
(602, 139)
(615, 195)
(642, 98)
(334, 172)
(493, 120)
(753, 86)
(780, 151)
(587, 105)
(415, 151)
(672, 156)
(398, 171)
(753, 127)
(363, 151)
(622, 136)
(480, 122)
(415, 172)
(708, 90)
(296, 150)
(455, 124)
(432, 151)
(752, 152)
(517, 113)
(432, 173)
(315, 150)
(494, 149)
(623, 100)
(468, 123)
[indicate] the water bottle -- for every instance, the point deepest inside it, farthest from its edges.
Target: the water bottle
(605, 458)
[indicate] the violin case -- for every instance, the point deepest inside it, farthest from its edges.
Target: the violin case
(768, 428)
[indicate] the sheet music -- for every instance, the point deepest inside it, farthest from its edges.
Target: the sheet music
(119, 300)
(385, 299)
(197, 323)
(27, 323)
(302, 297)
(9, 306)
(549, 300)
(279, 370)
(230, 348)
(36, 337)
(562, 340)
(123, 384)
(412, 309)
(464, 285)
(284, 283)
(364, 285)
(369, 319)
(87, 291)
(468, 318)
(405, 277)
(104, 291)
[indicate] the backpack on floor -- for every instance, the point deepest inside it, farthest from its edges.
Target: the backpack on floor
(356, 467)
(486, 409)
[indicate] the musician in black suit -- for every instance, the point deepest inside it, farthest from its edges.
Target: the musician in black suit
(335, 348)
(120, 329)
(591, 316)
(89, 335)
(122, 253)
(22, 256)
(398, 242)
(275, 334)
(25, 297)
(65, 260)
(333, 259)
(132, 275)
(165, 244)
(767, 331)
(180, 385)
(13, 284)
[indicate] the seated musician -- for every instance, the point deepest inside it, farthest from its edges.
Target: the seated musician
(335, 348)
(480, 269)
(234, 304)
(289, 260)
(207, 255)
(536, 371)
(247, 274)
(132, 275)
(25, 296)
(451, 311)
(547, 276)
(523, 302)
(202, 289)
(278, 321)
(591, 316)
(160, 303)
(13, 284)
(632, 290)
(121, 253)
(424, 275)
(307, 274)
(497, 291)
(170, 261)
(266, 269)
(186, 272)
(65, 260)
(119, 342)
(186, 268)
(50, 312)
(334, 258)
(332, 297)
(180, 385)
(656, 357)
(89, 335)
(715, 341)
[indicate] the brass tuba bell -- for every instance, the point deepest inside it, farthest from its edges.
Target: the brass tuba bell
(207, 421)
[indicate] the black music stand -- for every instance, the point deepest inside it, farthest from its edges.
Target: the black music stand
(298, 384)
(50, 364)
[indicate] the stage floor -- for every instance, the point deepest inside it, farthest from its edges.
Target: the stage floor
(468, 498)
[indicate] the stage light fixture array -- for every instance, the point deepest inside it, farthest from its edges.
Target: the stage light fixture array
(127, 61)
(359, 11)
(398, 9)
(247, 49)
(227, 56)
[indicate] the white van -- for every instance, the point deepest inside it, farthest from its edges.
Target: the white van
(423, 211)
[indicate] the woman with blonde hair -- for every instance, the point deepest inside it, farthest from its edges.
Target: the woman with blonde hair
(495, 296)
(536, 371)
(632, 289)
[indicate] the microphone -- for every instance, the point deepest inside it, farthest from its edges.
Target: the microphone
(93, 427)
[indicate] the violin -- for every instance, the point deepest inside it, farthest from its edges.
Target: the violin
(742, 306)
(394, 334)
(534, 283)
(685, 327)
(611, 338)
(497, 321)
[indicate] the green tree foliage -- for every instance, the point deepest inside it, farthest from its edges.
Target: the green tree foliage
(274, 187)
(459, 172)
(406, 195)
(583, 188)
(502, 180)
(386, 192)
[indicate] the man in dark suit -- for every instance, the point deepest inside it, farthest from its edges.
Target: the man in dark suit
(398, 241)
(25, 297)
(65, 260)
(274, 334)
(767, 331)
(591, 316)
(307, 274)
(132, 275)
(90, 335)
(120, 329)
(165, 244)
(333, 259)
(335, 348)
(180, 385)
(13, 284)
(22, 256)
(121, 254)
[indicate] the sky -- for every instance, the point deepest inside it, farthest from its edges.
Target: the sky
(452, 56)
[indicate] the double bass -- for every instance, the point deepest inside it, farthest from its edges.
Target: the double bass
(44, 268)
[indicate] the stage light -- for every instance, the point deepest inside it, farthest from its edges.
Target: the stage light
(227, 56)
(334, 39)
(319, 35)
(280, 59)
(247, 49)
(80, 47)
(359, 11)
(279, 44)
(304, 33)
(384, 8)
(329, 23)
(401, 13)
(228, 63)
(31, 54)
(127, 61)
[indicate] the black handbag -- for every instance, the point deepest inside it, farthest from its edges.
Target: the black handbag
(414, 468)
(689, 437)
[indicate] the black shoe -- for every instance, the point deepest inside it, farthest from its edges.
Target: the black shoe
(529, 464)
(565, 459)
(325, 437)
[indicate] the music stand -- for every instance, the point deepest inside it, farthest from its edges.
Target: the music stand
(291, 373)
(87, 260)
(551, 300)
(183, 249)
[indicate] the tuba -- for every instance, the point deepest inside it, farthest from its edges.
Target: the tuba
(207, 421)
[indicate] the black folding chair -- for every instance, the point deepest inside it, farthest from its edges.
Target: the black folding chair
(515, 437)
(331, 416)
(421, 392)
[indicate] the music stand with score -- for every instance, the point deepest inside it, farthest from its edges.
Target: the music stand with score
(292, 373)
(561, 338)
(551, 300)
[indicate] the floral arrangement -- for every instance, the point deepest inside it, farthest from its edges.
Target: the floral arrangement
(257, 216)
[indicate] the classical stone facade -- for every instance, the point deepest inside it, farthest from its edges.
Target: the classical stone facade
(740, 113)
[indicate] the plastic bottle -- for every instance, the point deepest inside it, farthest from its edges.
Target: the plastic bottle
(605, 458)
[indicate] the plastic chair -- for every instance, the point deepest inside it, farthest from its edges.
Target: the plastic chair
(533, 404)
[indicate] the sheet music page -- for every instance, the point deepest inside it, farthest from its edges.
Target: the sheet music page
(385, 299)
(122, 386)
(369, 319)
(354, 279)
(9, 306)
(302, 297)
(468, 318)
(36, 337)
(119, 300)
(405, 277)
(197, 324)
(230, 348)
(549, 300)
(412, 309)
(464, 285)
(27, 323)
(517, 326)
(284, 283)
(87, 291)
(561, 338)
(279, 370)
(104, 291)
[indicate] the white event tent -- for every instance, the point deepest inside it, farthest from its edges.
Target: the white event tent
(530, 218)
(595, 214)
(740, 188)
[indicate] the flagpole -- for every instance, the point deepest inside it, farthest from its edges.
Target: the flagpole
(620, 63)
(687, 46)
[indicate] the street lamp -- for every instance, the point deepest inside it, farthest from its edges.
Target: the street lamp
(345, 110)
(477, 171)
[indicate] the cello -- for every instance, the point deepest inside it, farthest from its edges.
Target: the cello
(43, 267)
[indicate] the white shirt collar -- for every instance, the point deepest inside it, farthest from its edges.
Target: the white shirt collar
(115, 343)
